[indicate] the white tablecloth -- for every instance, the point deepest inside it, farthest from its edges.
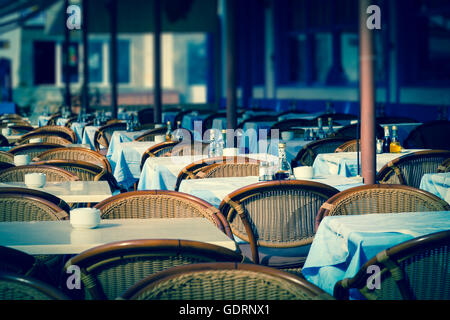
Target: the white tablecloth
(88, 136)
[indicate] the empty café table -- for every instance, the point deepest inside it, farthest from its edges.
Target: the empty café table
(58, 237)
(214, 190)
(72, 191)
(346, 164)
(437, 184)
(343, 244)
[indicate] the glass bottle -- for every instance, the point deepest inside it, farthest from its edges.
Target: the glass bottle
(169, 132)
(387, 140)
(330, 131)
(212, 144)
(284, 168)
(320, 132)
(395, 146)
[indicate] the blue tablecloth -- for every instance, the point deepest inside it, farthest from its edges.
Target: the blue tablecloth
(343, 244)
(61, 121)
(88, 136)
(438, 184)
(42, 120)
(78, 128)
(345, 163)
(117, 138)
(126, 161)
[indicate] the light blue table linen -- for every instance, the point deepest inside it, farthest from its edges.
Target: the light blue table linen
(437, 184)
(343, 244)
(88, 136)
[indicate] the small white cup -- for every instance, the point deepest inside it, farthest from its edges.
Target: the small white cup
(287, 135)
(6, 131)
(35, 140)
(35, 180)
(230, 152)
(304, 172)
(21, 159)
(85, 218)
(160, 138)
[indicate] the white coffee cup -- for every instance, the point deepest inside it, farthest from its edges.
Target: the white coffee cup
(287, 135)
(35, 140)
(35, 180)
(230, 152)
(160, 138)
(304, 172)
(6, 131)
(85, 218)
(21, 159)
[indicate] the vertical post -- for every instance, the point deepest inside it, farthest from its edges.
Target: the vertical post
(367, 88)
(157, 112)
(85, 99)
(231, 64)
(113, 55)
(66, 69)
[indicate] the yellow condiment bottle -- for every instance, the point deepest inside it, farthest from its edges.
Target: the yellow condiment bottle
(395, 146)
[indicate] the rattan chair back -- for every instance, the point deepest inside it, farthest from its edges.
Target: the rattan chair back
(62, 131)
(349, 146)
(379, 199)
(150, 135)
(77, 154)
(103, 135)
(16, 287)
(53, 174)
(417, 269)
(309, 152)
(33, 149)
(161, 204)
(45, 138)
(109, 270)
(444, 166)
(410, 168)
(40, 194)
(430, 135)
(21, 129)
(18, 206)
(224, 281)
(277, 214)
(218, 167)
(6, 157)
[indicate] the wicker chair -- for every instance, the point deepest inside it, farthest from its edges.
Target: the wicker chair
(417, 269)
(378, 199)
(410, 168)
(276, 216)
(53, 117)
(17, 174)
(85, 171)
(110, 269)
(39, 194)
(6, 157)
(54, 130)
(103, 134)
(16, 287)
(150, 134)
(171, 148)
(349, 146)
(444, 166)
(224, 281)
(21, 263)
(27, 207)
(3, 141)
(21, 129)
(309, 152)
(45, 138)
(161, 204)
(218, 167)
(33, 149)
(76, 154)
(351, 131)
(430, 135)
